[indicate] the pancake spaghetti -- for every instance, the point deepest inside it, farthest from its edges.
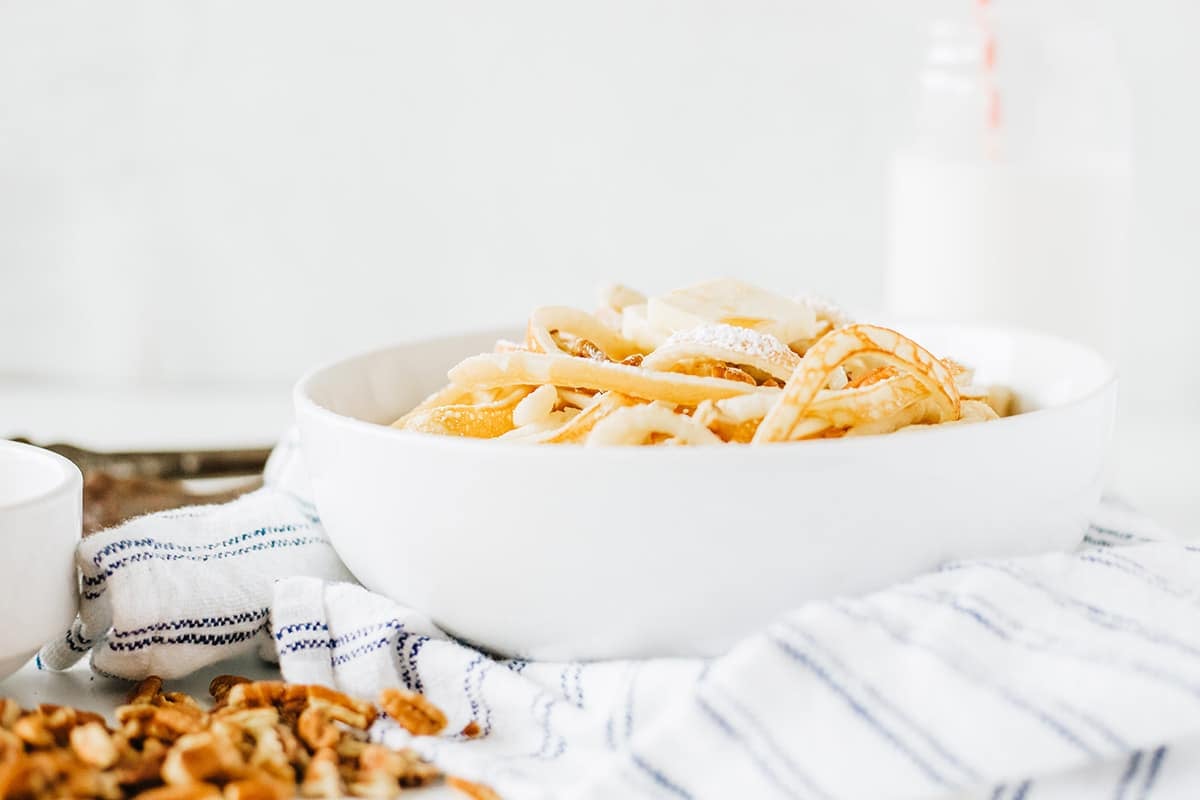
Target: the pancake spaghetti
(720, 362)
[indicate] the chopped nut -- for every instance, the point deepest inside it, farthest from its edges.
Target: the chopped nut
(299, 693)
(253, 720)
(350, 747)
(219, 686)
(190, 791)
(144, 720)
(179, 700)
(138, 768)
(144, 692)
(377, 784)
(322, 779)
(201, 757)
(33, 731)
(10, 712)
(270, 758)
(254, 694)
(471, 729)
(315, 728)
(476, 791)
(585, 348)
(401, 765)
(344, 715)
(259, 789)
(732, 373)
(84, 782)
(293, 749)
(93, 745)
(60, 720)
(412, 711)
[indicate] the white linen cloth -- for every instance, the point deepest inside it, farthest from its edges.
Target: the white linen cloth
(1060, 676)
(171, 592)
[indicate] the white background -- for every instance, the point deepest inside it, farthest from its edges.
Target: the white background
(224, 193)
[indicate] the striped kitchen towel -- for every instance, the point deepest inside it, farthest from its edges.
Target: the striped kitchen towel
(171, 592)
(1069, 675)
(1061, 676)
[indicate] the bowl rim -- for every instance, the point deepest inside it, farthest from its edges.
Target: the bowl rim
(304, 404)
(69, 483)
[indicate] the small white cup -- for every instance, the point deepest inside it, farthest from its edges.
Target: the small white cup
(41, 518)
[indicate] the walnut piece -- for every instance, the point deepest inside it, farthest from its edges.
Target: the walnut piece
(412, 711)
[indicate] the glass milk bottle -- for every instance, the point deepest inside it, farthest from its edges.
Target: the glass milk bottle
(1009, 203)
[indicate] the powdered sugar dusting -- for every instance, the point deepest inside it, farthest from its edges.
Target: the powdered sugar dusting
(732, 338)
(825, 310)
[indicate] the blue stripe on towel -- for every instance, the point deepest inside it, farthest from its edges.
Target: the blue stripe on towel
(134, 544)
(1156, 761)
(467, 685)
(1133, 568)
(271, 544)
(1016, 701)
(882, 701)
(659, 778)
(1124, 536)
(82, 646)
(412, 663)
(300, 626)
(197, 622)
(333, 643)
(487, 707)
(1135, 761)
(954, 601)
(1093, 613)
(209, 639)
(545, 702)
(761, 735)
(358, 633)
(858, 707)
(367, 647)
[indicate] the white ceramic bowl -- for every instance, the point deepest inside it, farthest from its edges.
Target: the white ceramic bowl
(571, 552)
(40, 522)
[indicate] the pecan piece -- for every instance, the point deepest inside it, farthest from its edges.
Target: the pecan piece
(259, 789)
(219, 686)
(202, 757)
(322, 778)
(412, 711)
(144, 692)
(476, 791)
(32, 730)
(10, 712)
(93, 745)
(376, 784)
(316, 729)
(148, 721)
(188, 791)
